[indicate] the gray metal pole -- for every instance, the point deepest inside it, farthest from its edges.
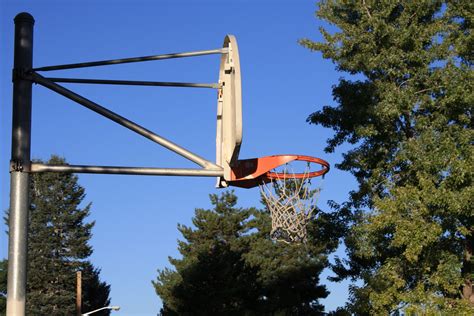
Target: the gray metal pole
(20, 166)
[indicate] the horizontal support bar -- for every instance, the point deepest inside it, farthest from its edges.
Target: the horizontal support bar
(137, 83)
(37, 168)
(37, 78)
(133, 59)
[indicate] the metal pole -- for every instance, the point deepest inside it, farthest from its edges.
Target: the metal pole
(20, 166)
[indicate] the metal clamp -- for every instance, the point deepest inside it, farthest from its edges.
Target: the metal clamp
(16, 166)
(21, 74)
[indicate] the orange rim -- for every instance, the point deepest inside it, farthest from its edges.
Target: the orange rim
(283, 175)
(249, 173)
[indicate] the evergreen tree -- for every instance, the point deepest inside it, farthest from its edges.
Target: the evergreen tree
(230, 266)
(409, 120)
(212, 277)
(95, 293)
(58, 247)
(3, 286)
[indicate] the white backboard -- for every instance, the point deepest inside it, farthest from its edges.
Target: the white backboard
(229, 110)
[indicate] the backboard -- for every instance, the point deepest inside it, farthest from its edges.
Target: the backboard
(229, 110)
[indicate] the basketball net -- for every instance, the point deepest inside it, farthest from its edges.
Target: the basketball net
(291, 203)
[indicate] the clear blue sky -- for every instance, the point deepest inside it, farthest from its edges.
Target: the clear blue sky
(136, 216)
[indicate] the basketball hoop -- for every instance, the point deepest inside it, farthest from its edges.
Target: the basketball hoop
(288, 192)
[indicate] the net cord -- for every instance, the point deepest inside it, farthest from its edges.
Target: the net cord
(290, 210)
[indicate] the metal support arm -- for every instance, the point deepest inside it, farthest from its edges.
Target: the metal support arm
(134, 59)
(36, 167)
(124, 122)
(137, 83)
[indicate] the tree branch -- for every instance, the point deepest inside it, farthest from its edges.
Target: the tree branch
(366, 9)
(427, 89)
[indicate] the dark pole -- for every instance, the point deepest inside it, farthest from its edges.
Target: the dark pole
(20, 165)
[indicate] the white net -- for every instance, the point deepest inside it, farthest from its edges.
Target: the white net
(292, 203)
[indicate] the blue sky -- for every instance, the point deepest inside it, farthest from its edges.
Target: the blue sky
(136, 216)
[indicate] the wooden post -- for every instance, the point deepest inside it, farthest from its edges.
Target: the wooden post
(79, 293)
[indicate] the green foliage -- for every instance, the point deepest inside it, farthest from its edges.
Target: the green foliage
(3, 286)
(207, 279)
(409, 120)
(58, 247)
(95, 293)
(230, 266)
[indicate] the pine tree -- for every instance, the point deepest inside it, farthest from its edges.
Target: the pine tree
(3, 286)
(95, 293)
(58, 247)
(212, 277)
(409, 120)
(230, 266)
